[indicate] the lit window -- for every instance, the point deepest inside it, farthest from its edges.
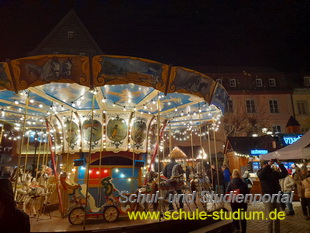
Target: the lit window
(70, 35)
(82, 54)
(219, 80)
(302, 109)
(259, 82)
(273, 105)
(250, 106)
(307, 81)
(276, 129)
(232, 82)
(272, 82)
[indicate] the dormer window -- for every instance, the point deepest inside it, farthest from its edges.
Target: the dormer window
(70, 35)
(272, 82)
(259, 82)
(232, 82)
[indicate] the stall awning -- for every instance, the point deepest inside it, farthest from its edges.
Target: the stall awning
(298, 150)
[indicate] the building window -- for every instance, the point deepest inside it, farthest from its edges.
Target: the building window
(70, 35)
(301, 107)
(276, 129)
(55, 53)
(259, 82)
(219, 80)
(272, 82)
(229, 106)
(307, 81)
(82, 54)
(273, 105)
(250, 106)
(232, 82)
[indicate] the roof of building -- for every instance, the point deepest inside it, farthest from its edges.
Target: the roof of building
(292, 122)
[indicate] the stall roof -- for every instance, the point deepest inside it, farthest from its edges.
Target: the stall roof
(298, 150)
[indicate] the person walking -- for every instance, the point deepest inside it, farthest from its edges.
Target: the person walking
(269, 179)
(227, 174)
(12, 220)
(306, 186)
(246, 179)
(287, 186)
(299, 176)
(237, 184)
(168, 173)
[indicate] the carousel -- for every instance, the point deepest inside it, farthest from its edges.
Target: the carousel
(75, 131)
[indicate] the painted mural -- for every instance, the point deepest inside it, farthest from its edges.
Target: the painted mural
(38, 70)
(91, 131)
(220, 97)
(117, 131)
(5, 78)
(120, 70)
(71, 133)
(189, 81)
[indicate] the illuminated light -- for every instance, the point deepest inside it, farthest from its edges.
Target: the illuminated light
(254, 135)
(104, 100)
(113, 104)
(106, 171)
(73, 169)
(124, 108)
(16, 102)
(97, 172)
(122, 175)
(175, 109)
(259, 152)
(90, 171)
(153, 102)
(73, 104)
(116, 170)
(83, 168)
(144, 106)
(129, 179)
(31, 101)
(104, 111)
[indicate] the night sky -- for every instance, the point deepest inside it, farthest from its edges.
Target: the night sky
(186, 33)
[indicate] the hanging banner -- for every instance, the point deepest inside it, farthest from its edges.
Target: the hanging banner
(91, 128)
(72, 133)
(5, 77)
(138, 134)
(117, 131)
(122, 69)
(220, 97)
(192, 82)
(38, 70)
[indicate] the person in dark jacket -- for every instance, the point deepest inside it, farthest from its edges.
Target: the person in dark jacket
(168, 173)
(169, 167)
(218, 183)
(12, 220)
(237, 183)
(270, 184)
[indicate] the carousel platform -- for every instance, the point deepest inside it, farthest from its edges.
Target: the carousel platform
(125, 225)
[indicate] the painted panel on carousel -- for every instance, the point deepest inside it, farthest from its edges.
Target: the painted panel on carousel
(122, 95)
(38, 70)
(71, 133)
(189, 81)
(75, 95)
(220, 97)
(91, 131)
(117, 131)
(5, 77)
(122, 69)
(138, 137)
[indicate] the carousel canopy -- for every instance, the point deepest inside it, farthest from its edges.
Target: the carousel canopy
(63, 89)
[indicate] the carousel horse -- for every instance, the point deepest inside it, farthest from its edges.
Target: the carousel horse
(166, 186)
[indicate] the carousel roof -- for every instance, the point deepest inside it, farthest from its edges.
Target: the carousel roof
(118, 83)
(177, 153)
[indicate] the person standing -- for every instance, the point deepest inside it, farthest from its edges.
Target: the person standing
(287, 187)
(168, 173)
(299, 176)
(218, 183)
(12, 220)
(234, 184)
(269, 179)
(227, 175)
(306, 186)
